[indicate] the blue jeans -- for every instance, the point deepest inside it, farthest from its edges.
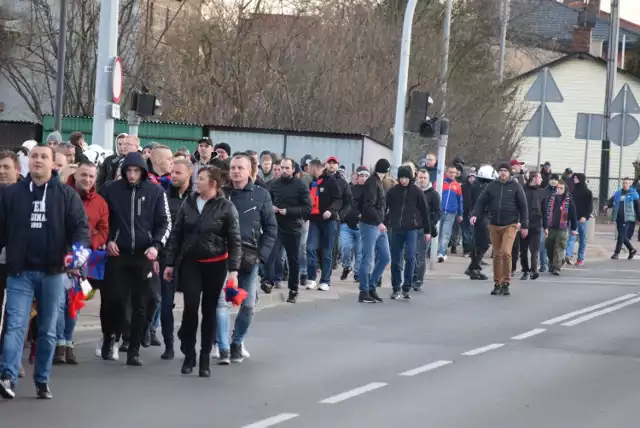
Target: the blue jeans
(321, 234)
(248, 281)
(303, 249)
(582, 234)
(350, 243)
(403, 246)
(48, 291)
(446, 228)
(274, 267)
(66, 324)
(373, 241)
(543, 253)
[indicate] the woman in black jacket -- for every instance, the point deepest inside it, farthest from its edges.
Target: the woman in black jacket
(204, 245)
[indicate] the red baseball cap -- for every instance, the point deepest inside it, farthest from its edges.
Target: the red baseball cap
(332, 159)
(516, 162)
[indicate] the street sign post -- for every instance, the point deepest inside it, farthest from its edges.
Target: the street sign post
(589, 127)
(544, 90)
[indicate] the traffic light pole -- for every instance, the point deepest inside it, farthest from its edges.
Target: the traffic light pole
(403, 77)
(103, 121)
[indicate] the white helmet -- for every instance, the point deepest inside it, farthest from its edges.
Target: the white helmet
(29, 144)
(487, 172)
(92, 155)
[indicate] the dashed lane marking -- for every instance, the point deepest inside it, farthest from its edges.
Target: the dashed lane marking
(353, 393)
(426, 368)
(589, 309)
(483, 349)
(274, 420)
(602, 312)
(529, 333)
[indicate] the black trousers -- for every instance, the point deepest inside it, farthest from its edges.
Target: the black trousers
(201, 284)
(530, 244)
(625, 233)
(515, 251)
(480, 244)
(291, 244)
(128, 282)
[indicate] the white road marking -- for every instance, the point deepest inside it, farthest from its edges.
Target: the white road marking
(483, 349)
(589, 309)
(529, 333)
(426, 368)
(274, 420)
(353, 393)
(602, 312)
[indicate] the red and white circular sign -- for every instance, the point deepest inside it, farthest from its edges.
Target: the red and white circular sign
(116, 80)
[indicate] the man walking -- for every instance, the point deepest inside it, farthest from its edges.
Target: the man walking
(583, 198)
(40, 219)
(452, 208)
(291, 204)
(435, 212)
(536, 203)
(625, 213)
(560, 215)
(507, 206)
(350, 241)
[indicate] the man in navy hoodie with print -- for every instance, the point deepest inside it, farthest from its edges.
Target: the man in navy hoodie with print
(40, 220)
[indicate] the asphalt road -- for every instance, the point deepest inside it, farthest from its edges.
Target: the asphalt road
(454, 356)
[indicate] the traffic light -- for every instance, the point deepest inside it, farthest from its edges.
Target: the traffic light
(419, 122)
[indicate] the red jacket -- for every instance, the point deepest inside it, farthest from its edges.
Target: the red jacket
(97, 213)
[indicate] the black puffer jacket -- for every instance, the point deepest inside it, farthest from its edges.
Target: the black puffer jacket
(505, 202)
(407, 209)
(211, 234)
(373, 205)
(352, 217)
(435, 209)
(582, 197)
(536, 202)
(292, 194)
(345, 192)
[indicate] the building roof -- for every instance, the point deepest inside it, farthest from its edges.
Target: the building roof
(551, 20)
(567, 57)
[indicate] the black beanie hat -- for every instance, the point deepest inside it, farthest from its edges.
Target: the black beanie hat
(504, 165)
(405, 172)
(382, 166)
(223, 146)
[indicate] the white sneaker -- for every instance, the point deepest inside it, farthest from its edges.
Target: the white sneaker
(324, 287)
(215, 352)
(245, 353)
(311, 285)
(116, 352)
(441, 258)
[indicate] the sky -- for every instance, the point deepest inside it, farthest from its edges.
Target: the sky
(629, 9)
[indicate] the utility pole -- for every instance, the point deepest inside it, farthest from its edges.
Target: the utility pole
(104, 109)
(612, 70)
(504, 22)
(403, 77)
(444, 123)
(62, 53)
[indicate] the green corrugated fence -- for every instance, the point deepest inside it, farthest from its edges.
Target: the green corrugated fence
(174, 135)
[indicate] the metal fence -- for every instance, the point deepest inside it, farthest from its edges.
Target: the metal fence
(594, 185)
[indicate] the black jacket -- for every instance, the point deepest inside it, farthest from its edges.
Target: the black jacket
(583, 198)
(107, 171)
(552, 212)
(329, 197)
(467, 206)
(476, 190)
(176, 201)
(204, 236)
(139, 215)
(407, 209)
(536, 202)
(435, 209)
(545, 177)
(505, 202)
(345, 193)
(293, 195)
(352, 216)
(373, 206)
(66, 218)
(258, 227)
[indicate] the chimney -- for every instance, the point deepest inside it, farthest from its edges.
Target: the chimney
(581, 40)
(594, 6)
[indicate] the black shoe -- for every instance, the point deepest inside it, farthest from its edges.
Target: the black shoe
(374, 295)
(168, 353)
(146, 340)
(267, 286)
(614, 256)
(345, 273)
(365, 297)
(406, 295)
(468, 272)
(535, 275)
(6, 389)
(43, 392)
(303, 280)
(293, 296)
(205, 366)
(154, 339)
(107, 347)
(188, 365)
(525, 276)
(225, 357)
(236, 353)
(395, 295)
(632, 253)
(505, 289)
(478, 275)
(497, 290)
(134, 361)
(124, 347)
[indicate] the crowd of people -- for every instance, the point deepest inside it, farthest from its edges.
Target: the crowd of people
(216, 225)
